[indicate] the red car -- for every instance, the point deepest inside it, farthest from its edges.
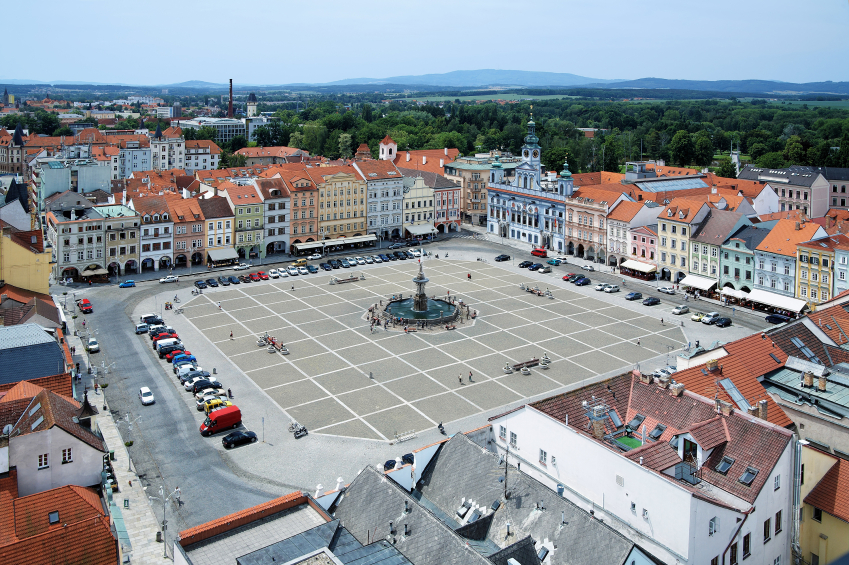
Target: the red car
(85, 306)
(170, 356)
(254, 277)
(566, 276)
(164, 336)
(263, 275)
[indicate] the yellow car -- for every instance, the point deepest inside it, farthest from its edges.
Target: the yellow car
(215, 404)
(697, 317)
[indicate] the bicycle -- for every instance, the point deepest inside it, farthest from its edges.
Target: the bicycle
(178, 311)
(294, 426)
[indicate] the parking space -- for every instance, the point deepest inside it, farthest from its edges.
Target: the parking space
(342, 379)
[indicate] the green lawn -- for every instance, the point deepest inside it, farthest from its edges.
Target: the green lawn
(629, 441)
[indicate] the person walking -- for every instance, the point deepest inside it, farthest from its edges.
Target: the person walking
(469, 276)
(661, 321)
(470, 376)
(231, 335)
(638, 342)
(293, 288)
(460, 378)
(219, 306)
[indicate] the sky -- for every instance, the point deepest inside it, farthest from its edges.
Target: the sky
(284, 41)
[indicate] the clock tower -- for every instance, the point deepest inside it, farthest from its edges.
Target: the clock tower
(531, 150)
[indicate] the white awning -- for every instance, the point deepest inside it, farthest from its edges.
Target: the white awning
(728, 291)
(638, 266)
(698, 282)
(421, 229)
(308, 245)
(225, 254)
(94, 272)
(777, 300)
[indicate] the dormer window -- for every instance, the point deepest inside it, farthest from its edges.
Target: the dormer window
(164, 216)
(669, 213)
(681, 214)
(146, 218)
(156, 217)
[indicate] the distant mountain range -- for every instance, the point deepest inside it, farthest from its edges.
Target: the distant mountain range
(492, 78)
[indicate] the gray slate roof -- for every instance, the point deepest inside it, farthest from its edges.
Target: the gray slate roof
(462, 469)
(830, 173)
(28, 345)
(716, 227)
(372, 500)
(752, 236)
(780, 176)
(432, 180)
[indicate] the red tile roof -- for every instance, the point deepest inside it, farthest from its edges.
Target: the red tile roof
(784, 237)
(658, 455)
(74, 504)
(56, 411)
(833, 321)
(267, 186)
(377, 170)
(90, 542)
(710, 433)
(387, 140)
(426, 159)
(60, 384)
(625, 211)
(203, 144)
(281, 151)
(681, 210)
(832, 492)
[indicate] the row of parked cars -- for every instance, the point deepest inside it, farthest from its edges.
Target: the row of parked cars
(209, 394)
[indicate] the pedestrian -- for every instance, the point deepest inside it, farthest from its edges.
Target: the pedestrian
(219, 306)
(469, 276)
(638, 342)
(293, 288)
(96, 388)
(231, 335)
(470, 376)
(460, 378)
(83, 323)
(405, 329)
(661, 321)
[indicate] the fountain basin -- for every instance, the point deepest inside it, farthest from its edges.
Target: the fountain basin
(435, 308)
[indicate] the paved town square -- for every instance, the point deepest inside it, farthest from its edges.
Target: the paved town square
(341, 378)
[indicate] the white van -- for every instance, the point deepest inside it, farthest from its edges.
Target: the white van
(164, 342)
(187, 368)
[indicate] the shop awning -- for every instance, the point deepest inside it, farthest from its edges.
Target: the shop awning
(227, 254)
(728, 291)
(777, 300)
(308, 245)
(638, 266)
(420, 229)
(695, 281)
(94, 272)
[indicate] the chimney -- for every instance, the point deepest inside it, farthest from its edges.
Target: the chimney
(441, 163)
(762, 409)
(717, 404)
(408, 156)
(677, 389)
(809, 379)
(797, 226)
(821, 383)
(598, 429)
(662, 382)
(753, 410)
(424, 159)
(713, 189)
(712, 365)
(645, 378)
(230, 105)
(726, 408)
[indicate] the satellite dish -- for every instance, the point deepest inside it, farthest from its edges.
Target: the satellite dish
(7, 429)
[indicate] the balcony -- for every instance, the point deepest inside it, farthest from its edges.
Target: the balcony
(155, 235)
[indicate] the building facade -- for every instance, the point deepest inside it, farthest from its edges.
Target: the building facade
(341, 201)
(201, 155)
(775, 257)
(247, 205)
(418, 208)
(188, 231)
(276, 198)
(674, 227)
(815, 268)
(304, 204)
(385, 189)
(219, 221)
(644, 244)
(707, 239)
(737, 258)
(122, 239)
(622, 220)
(157, 232)
(225, 128)
(167, 152)
(76, 232)
(798, 188)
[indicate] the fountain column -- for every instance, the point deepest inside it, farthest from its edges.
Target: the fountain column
(420, 298)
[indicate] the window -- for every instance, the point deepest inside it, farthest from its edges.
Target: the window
(749, 476)
(513, 439)
(724, 465)
(767, 529)
(747, 545)
(733, 554)
(778, 522)
(817, 513)
(815, 559)
(66, 456)
(776, 483)
(713, 526)
(777, 560)
(715, 560)
(43, 464)
(502, 432)
(543, 457)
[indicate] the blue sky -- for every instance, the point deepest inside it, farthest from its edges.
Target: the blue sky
(282, 41)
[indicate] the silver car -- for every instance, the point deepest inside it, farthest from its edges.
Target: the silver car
(611, 288)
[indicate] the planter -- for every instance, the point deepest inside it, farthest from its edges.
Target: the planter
(128, 444)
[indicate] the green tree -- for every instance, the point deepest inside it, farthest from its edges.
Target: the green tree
(314, 136)
(757, 150)
(64, 130)
(612, 152)
(345, 145)
(703, 149)
(681, 148)
(553, 158)
(843, 153)
(296, 140)
(794, 152)
(238, 142)
(206, 132)
(262, 136)
(772, 160)
(367, 113)
(726, 169)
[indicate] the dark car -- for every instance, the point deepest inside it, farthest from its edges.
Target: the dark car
(778, 319)
(192, 374)
(326, 266)
(163, 351)
(633, 296)
(312, 269)
(651, 301)
(205, 385)
(502, 257)
(576, 278)
(722, 322)
(396, 246)
(391, 257)
(201, 284)
(212, 282)
(233, 279)
(525, 264)
(535, 267)
(409, 255)
(238, 438)
(411, 242)
(335, 264)
(224, 280)
(583, 282)
(152, 319)
(399, 255)
(245, 278)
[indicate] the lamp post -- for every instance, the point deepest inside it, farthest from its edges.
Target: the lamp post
(165, 499)
(129, 424)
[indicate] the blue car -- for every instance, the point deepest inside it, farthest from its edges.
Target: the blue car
(582, 282)
(127, 284)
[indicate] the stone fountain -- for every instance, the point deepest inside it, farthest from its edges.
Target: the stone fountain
(420, 299)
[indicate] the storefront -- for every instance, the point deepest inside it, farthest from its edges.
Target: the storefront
(776, 303)
(703, 285)
(638, 270)
(222, 257)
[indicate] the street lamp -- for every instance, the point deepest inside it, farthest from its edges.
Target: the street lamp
(129, 424)
(165, 499)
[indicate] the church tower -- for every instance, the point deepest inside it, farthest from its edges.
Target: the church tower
(388, 149)
(531, 149)
(252, 104)
(564, 181)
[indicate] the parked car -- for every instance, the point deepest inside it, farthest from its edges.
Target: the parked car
(335, 264)
(583, 282)
(384, 257)
(188, 375)
(293, 271)
(601, 286)
(568, 276)
(409, 255)
(502, 257)
(588, 267)
(244, 278)
(216, 404)
(633, 296)
(326, 266)
(545, 269)
(345, 264)
(146, 396)
(535, 266)
(241, 267)
(127, 284)
(539, 252)
(525, 264)
(697, 316)
(680, 309)
(164, 351)
(156, 329)
(360, 260)
(612, 288)
(169, 279)
(314, 257)
(254, 277)
(206, 396)
(377, 258)
(224, 280)
(234, 279)
(666, 290)
(151, 319)
(238, 437)
(555, 262)
(722, 322)
(273, 274)
(92, 346)
(212, 282)
(205, 385)
(303, 271)
(710, 318)
(563, 260)
(142, 328)
(85, 305)
(201, 284)
(369, 259)
(263, 275)
(778, 319)
(396, 246)
(189, 383)
(651, 301)
(312, 269)
(171, 355)
(220, 420)
(188, 368)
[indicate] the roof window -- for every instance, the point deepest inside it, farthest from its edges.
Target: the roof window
(724, 465)
(53, 517)
(657, 431)
(748, 476)
(635, 423)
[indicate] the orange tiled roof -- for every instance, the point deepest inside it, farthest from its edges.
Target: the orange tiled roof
(203, 144)
(74, 504)
(241, 194)
(387, 140)
(795, 215)
(279, 151)
(431, 156)
(375, 170)
(833, 321)
(784, 237)
(185, 210)
(56, 411)
(832, 492)
(320, 174)
(625, 211)
(682, 210)
(598, 193)
(600, 177)
(63, 545)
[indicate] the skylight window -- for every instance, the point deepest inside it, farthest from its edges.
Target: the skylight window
(673, 443)
(748, 476)
(614, 418)
(724, 465)
(35, 409)
(805, 350)
(635, 423)
(774, 358)
(657, 431)
(53, 517)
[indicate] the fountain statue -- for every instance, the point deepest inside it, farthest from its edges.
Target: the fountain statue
(420, 299)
